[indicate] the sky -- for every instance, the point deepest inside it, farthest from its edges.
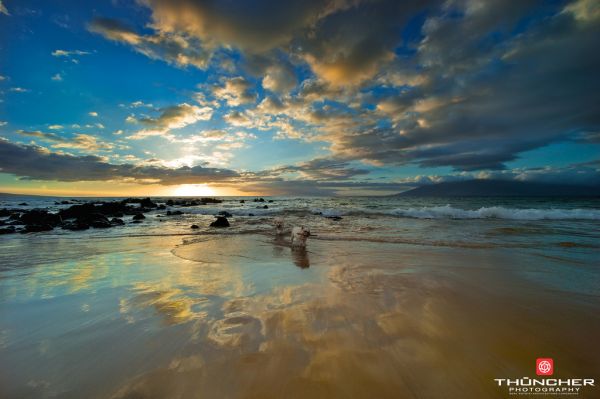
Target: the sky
(296, 97)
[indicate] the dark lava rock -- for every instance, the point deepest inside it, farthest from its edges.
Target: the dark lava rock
(270, 200)
(262, 207)
(194, 226)
(226, 214)
(336, 218)
(139, 216)
(15, 216)
(40, 217)
(250, 214)
(259, 200)
(174, 213)
(8, 230)
(147, 203)
(75, 225)
(117, 222)
(101, 224)
(242, 201)
(23, 204)
(220, 222)
(35, 228)
(161, 207)
(211, 200)
(5, 212)
(170, 202)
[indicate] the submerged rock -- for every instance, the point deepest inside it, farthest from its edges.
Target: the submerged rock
(117, 222)
(336, 218)
(220, 222)
(174, 213)
(194, 226)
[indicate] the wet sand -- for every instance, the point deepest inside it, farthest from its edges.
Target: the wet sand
(246, 316)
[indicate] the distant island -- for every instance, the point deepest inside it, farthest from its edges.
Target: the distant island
(501, 188)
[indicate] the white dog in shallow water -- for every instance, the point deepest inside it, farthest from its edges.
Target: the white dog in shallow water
(299, 236)
(279, 225)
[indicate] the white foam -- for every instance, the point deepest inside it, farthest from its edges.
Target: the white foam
(497, 212)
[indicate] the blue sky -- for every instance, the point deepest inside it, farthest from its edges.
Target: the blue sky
(302, 97)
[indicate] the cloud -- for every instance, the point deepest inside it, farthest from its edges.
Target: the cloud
(78, 141)
(177, 49)
(3, 9)
(36, 163)
(69, 53)
(279, 78)
(57, 77)
(3, 123)
(174, 117)
(235, 91)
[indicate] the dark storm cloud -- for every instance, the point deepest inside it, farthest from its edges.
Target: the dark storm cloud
(485, 107)
(37, 163)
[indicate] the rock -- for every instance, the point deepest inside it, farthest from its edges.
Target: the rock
(40, 217)
(5, 212)
(76, 225)
(226, 214)
(250, 214)
(211, 200)
(170, 202)
(194, 226)
(262, 207)
(259, 200)
(242, 201)
(35, 228)
(139, 216)
(161, 207)
(174, 213)
(220, 222)
(23, 204)
(8, 230)
(147, 203)
(117, 222)
(336, 218)
(15, 216)
(137, 221)
(270, 200)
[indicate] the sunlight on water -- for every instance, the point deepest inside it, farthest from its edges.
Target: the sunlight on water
(247, 316)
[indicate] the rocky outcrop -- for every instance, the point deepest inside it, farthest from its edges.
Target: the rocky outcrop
(220, 222)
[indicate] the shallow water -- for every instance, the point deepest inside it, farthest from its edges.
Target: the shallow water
(378, 306)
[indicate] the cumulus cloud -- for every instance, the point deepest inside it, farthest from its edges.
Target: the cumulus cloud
(235, 91)
(174, 117)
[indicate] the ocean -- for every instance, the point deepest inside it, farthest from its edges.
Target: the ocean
(387, 294)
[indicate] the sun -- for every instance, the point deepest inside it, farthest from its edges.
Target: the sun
(193, 190)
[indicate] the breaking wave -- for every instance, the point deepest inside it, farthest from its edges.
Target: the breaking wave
(497, 212)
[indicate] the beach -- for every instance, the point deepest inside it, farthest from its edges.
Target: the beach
(377, 305)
